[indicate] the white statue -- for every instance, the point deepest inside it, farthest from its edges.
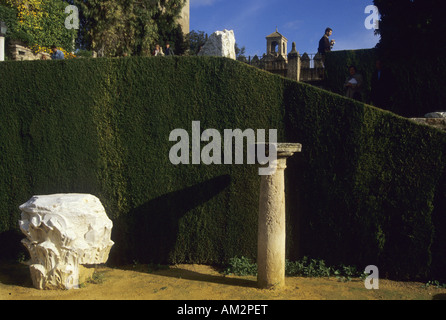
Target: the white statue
(220, 44)
(62, 232)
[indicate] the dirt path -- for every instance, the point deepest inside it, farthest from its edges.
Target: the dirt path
(197, 282)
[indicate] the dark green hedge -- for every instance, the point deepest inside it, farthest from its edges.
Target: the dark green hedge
(418, 86)
(368, 188)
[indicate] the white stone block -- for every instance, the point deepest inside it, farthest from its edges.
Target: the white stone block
(438, 114)
(220, 44)
(62, 232)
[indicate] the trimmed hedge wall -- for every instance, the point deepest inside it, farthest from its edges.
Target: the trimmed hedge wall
(368, 188)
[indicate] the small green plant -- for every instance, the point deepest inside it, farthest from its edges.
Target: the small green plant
(435, 283)
(305, 267)
(347, 273)
(241, 267)
(363, 276)
(97, 278)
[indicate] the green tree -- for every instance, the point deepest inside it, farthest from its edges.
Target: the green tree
(196, 40)
(411, 27)
(115, 27)
(169, 30)
(412, 46)
(38, 23)
(240, 53)
(9, 16)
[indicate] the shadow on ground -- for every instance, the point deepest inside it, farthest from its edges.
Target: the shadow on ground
(218, 279)
(185, 274)
(15, 274)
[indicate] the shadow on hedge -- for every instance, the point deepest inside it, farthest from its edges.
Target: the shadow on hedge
(150, 231)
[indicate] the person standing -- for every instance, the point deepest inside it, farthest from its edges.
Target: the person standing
(169, 50)
(354, 84)
(381, 86)
(325, 44)
(158, 51)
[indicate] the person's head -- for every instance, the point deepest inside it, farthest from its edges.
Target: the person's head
(328, 31)
(167, 45)
(352, 70)
(157, 47)
(53, 48)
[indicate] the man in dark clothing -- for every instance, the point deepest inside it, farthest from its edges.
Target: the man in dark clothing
(169, 50)
(325, 45)
(381, 86)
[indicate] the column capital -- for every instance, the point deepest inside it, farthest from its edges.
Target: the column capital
(283, 150)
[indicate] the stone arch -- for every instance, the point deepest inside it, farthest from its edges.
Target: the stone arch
(274, 47)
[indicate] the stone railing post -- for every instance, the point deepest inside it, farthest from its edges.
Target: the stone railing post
(294, 64)
(271, 224)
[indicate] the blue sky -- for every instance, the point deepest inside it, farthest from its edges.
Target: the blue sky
(300, 21)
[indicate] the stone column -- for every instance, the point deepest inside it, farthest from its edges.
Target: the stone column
(271, 224)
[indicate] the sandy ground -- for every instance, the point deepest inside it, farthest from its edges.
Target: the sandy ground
(198, 282)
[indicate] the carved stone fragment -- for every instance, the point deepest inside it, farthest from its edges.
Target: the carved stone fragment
(62, 232)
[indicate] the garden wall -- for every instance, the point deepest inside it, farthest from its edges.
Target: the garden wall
(368, 188)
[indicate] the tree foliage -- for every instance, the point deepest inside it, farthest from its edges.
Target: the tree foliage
(240, 53)
(166, 18)
(411, 27)
(196, 40)
(38, 23)
(412, 47)
(117, 27)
